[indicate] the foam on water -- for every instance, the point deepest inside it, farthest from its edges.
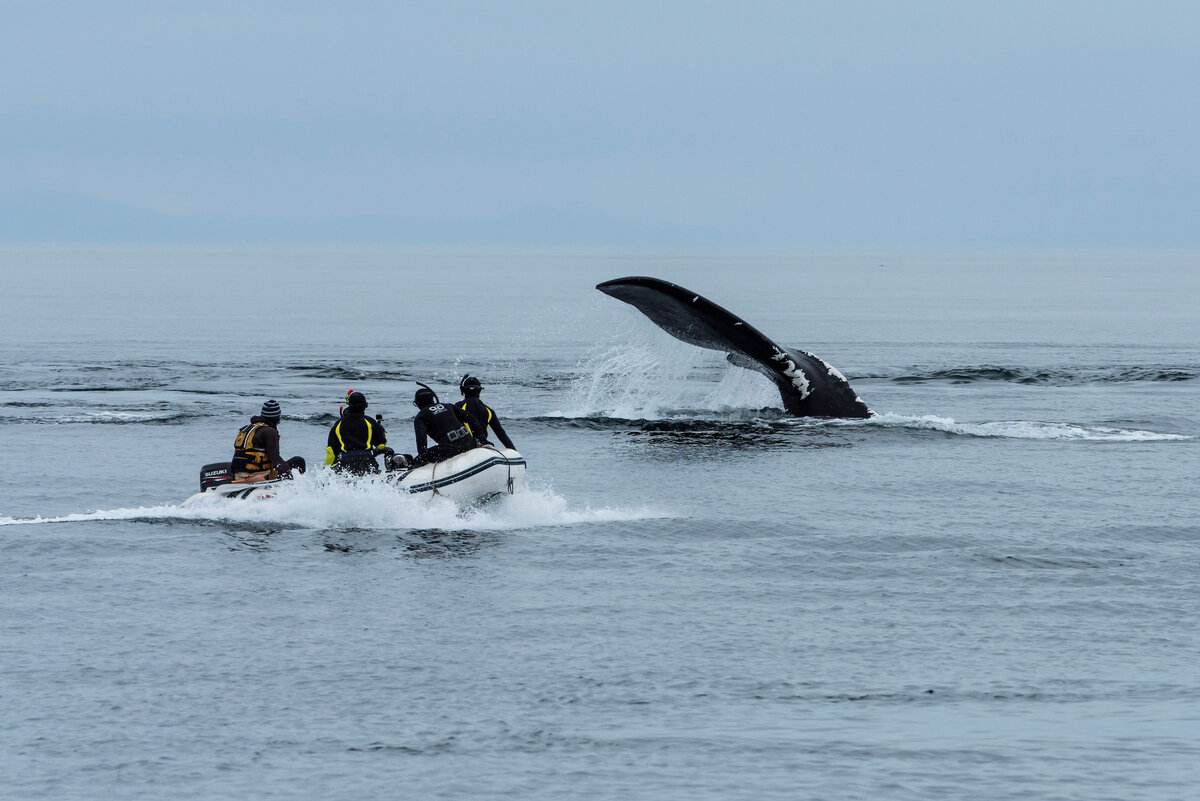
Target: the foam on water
(329, 502)
(1015, 429)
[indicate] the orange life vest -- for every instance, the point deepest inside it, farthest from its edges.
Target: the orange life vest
(248, 458)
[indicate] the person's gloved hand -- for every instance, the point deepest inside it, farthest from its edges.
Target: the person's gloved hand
(386, 451)
(298, 463)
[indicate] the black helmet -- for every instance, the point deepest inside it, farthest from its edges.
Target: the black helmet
(356, 400)
(469, 385)
(424, 397)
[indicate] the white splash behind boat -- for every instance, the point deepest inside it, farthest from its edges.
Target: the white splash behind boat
(469, 478)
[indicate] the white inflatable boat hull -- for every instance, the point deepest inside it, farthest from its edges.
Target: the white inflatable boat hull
(469, 478)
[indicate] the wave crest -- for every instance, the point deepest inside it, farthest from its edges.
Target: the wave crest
(1065, 376)
(1016, 429)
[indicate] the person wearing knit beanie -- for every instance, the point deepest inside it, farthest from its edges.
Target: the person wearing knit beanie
(256, 449)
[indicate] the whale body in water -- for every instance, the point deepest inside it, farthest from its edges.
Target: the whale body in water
(808, 386)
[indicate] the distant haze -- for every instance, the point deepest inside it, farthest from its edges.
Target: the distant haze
(614, 124)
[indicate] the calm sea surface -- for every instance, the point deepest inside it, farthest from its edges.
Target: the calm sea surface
(988, 591)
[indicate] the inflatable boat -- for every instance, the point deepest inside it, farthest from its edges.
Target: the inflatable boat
(470, 478)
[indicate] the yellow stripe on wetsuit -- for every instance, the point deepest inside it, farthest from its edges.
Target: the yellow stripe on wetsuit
(486, 422)
(330, 457)
(337, 430)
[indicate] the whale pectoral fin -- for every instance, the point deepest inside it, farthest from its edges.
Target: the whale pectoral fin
(807, 385)
(828, 393)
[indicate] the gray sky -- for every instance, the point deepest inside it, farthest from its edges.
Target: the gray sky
(689, 124)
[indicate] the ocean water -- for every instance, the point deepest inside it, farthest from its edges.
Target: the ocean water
(987, 591)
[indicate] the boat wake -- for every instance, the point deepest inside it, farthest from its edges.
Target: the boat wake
(331, 503)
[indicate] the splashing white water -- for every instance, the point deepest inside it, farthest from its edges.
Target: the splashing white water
(330, 502)
(648, 377)
(1016, 429)
(741, 389)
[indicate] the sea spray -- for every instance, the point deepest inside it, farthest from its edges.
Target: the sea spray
(326, 501)
(647, 377)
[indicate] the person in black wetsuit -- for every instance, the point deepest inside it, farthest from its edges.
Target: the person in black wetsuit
(354, 439)
(486, 415)
(445, 425)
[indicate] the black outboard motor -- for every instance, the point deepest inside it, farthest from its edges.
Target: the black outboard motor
(215, 474)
